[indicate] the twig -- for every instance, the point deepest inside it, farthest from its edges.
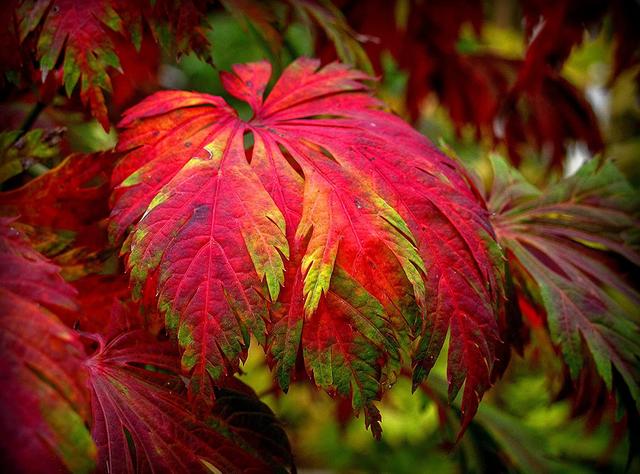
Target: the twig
(30, 120)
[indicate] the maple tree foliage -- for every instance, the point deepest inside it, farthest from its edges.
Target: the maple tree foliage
(563, 243)
(371, 238)
(148, 406)
(44, 396)
(75, 193)
(86, 43)
(522, 102)
(321, 226)
(55, 383)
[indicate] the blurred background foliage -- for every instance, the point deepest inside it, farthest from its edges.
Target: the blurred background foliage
(526, 423)
(522, 425)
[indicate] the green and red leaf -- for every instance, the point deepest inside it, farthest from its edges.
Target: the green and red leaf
(92, 40)
(567, 246)
(338, 232)
(82, 32)
(72, 197)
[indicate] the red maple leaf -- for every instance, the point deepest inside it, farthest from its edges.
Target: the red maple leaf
(142, 420)
(44, 397)
(337, 231)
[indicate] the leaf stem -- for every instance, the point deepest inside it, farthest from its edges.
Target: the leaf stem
(30, 119)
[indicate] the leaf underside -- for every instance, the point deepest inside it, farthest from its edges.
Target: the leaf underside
(339, 232)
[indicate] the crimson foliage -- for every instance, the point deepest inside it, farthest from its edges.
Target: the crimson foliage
(323, 227)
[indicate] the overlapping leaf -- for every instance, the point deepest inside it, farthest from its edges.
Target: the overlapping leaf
(128, 391)
(72, 197)
(83, 34)
(569, 245)
(339, 231)
(141, 420)
(44, 397)
(63, 213)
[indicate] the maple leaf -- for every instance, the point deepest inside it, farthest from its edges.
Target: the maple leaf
(40, 281)
(372, 231)
(44, 398)
(70, 199)
(566, 245)
(83, 34)
(142, 421)
(63, 212)
(138, 77)
(93, 36)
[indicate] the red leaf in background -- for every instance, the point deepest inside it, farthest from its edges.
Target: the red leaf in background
(523, 103)
(141, 420)
(83, 35)
(91, 41)
(555, 27)
(39, 280)
(548, 115)
(378, 233)
(139, 76)
(43, 390)
(71, 197)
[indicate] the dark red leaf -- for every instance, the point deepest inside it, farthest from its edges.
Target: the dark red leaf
(43, 389)
(142, 421)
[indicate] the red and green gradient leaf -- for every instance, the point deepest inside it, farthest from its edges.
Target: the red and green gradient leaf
(574, 248)
(81, 30)
(71, 198)
(128, 392)
(339, 232)
(93, 40)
